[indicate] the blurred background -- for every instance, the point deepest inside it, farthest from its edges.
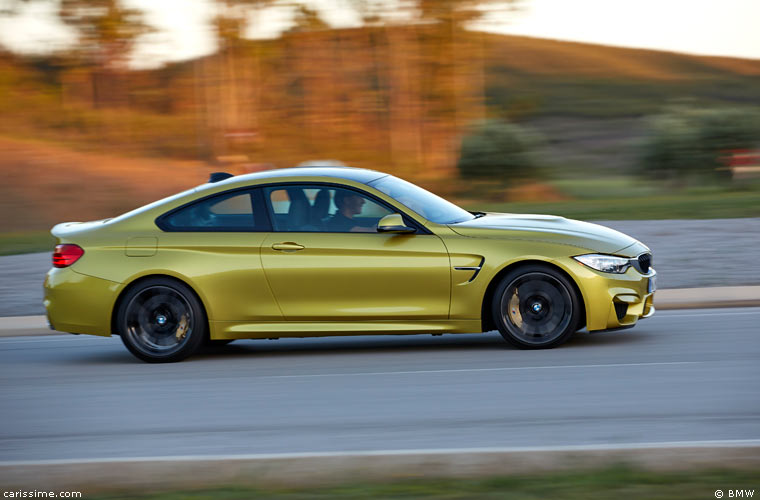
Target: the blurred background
(106, 105)
(592, 109)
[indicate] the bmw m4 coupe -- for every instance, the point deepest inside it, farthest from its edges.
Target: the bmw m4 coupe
(317, 251)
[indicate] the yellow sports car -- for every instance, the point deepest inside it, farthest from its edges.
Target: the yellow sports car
(316, 251)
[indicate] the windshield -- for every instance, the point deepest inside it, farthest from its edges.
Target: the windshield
(430, 206)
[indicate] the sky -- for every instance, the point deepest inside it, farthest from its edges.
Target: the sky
(708, 27)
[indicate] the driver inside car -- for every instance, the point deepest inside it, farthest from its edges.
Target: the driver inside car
(349, 205)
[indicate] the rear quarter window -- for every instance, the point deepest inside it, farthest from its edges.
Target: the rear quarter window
(234, 211)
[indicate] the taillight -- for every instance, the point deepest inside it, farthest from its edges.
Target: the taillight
(67, 254)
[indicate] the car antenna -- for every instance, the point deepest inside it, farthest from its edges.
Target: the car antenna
(219, 176)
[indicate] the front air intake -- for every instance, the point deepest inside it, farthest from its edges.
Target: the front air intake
(621, 309)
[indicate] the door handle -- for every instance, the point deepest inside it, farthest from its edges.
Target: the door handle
(287, 246)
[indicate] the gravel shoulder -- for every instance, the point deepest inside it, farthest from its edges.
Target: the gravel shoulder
(687, 254)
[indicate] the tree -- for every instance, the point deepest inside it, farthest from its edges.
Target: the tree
(229, 82)
(233, 20)
(106, 30)
(687, 144)
(437, 82)
(307, 19)
(499, 151)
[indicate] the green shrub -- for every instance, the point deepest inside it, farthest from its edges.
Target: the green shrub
(687, 145)
(500, 151)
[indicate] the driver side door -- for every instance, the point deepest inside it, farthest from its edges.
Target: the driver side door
(321, 271)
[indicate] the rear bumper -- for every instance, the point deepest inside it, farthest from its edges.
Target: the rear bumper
(77, 303)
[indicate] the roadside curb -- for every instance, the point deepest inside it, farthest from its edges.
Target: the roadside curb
(668, 299)
(706, 298)
(307, 469)
(13, 326)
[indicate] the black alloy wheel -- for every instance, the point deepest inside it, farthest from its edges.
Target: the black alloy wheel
(161, 320)
(536, 307)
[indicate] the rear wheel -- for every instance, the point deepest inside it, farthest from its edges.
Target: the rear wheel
(160, 320)
(536, 307)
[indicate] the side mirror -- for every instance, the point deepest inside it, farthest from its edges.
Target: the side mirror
(393, 223)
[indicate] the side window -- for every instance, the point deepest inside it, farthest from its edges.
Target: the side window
(329, 209)
(225, 212)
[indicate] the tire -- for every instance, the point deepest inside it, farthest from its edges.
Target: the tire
(161, 321)
(546, 315)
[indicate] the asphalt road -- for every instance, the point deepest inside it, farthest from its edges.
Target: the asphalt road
(679, 376)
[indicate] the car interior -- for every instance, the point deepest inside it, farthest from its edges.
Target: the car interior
(298, 209)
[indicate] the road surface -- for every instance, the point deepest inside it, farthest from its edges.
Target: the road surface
(679, 376)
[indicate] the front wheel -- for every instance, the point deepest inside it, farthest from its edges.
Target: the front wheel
(161, 320)
(535, 307)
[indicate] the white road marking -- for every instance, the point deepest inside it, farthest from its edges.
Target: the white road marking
(738, 443)
(55, 338)
(498, 369)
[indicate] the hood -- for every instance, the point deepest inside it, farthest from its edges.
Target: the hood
(550, 229)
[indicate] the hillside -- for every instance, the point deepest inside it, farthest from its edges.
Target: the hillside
(592, 102)
(536, 56)
(369, 97)
(44, 184)
(531, 76)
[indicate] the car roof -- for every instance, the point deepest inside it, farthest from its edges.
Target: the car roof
(355, 174)
(361, 175)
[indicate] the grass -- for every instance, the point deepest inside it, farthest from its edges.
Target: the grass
(621, 198)
(26, 242)
(588, 187)
(610, 483)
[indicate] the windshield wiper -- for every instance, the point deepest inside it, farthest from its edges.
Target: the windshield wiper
(478, 215)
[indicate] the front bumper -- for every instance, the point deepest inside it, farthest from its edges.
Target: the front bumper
(77, 303)
(615, 300)
(631, 304)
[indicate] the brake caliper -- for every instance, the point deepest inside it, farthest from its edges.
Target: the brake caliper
(182, 328)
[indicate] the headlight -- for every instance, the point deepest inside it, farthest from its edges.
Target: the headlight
(604, 263)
